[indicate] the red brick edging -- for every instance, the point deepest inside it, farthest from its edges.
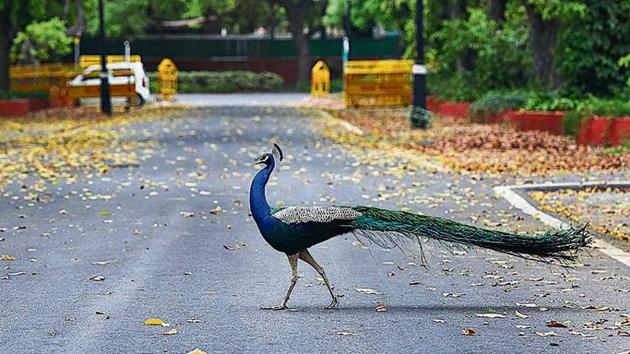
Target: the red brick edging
(600, 131)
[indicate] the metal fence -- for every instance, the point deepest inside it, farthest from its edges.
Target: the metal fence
(216, 48)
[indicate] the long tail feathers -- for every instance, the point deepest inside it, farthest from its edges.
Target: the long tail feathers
(385, 228)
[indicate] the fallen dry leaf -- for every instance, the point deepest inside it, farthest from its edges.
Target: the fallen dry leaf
(520, 315)
(170, 332)
(155, 322)
(196, 351)
(344, 333)
(526, 305)
(235, 246)
(101, 262)
(547, 334)
(453, 294)
(368, 291)
(555, 324)
(469, 332)
(490, 315)
(6, 257)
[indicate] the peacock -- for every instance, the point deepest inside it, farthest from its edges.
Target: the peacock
(294, 229)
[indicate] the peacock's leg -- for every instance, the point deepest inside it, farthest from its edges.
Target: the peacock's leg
(306, 257)
(293, 261)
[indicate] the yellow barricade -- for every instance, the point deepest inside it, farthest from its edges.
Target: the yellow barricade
(40, 78)
(78, 92)
(89, 60)
(167, 78)
(378, 83)
(320, 79)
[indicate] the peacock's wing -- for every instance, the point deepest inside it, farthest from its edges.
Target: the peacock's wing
(316, 214)
(302, 227)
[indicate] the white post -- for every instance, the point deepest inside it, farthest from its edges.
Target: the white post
(127, 52)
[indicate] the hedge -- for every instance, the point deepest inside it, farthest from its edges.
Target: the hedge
(222, 82)
(577, 108)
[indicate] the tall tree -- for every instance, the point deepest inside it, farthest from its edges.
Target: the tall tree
(298, 13)
(543, 34)
(590, 48)
(77, 29)
(544, 20)
(14, 15)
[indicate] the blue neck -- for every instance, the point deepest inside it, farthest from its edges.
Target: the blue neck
(257, 200)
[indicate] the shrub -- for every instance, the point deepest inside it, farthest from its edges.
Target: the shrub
(607, 108)
(487, 56)
(497, 102)
(585, 106)
(7, 95)
(223, 82)
(451, 87)
(550, 101)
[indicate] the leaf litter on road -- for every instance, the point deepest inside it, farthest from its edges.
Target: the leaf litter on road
(155, 322)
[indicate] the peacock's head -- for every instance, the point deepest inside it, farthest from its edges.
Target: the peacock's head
(268, 157)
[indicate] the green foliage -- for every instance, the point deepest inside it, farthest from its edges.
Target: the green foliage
(41, 41)
(122, 18)
(562, 9)
(451, 86)
(223, 82)
(550, 101)
(398, 15)
(497, 102)
(584, 106)
(606, 108)
(493, 48)
(624, 62)
(129, 18)
(592, 47)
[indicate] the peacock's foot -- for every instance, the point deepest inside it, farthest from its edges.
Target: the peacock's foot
(277, 308)
(333, 304)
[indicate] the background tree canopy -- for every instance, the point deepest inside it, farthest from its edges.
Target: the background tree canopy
(576, 47)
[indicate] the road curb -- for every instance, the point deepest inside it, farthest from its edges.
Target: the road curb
(513, 197)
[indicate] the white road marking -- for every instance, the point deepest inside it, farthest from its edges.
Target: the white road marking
(516, 200)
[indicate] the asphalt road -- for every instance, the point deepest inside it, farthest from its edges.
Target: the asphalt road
(241, 99)
(162, 249)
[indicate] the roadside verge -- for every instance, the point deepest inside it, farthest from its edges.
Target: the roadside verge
(512, 195)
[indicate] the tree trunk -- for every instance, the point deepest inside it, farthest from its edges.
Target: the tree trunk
(496, 10)
(543, 36)
(6, 38)
(79, 22)
(303, 55)
(456, 9)
(296, 14)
